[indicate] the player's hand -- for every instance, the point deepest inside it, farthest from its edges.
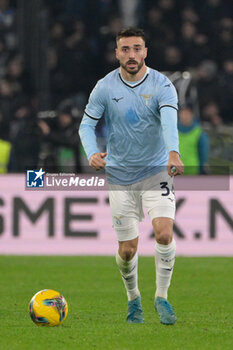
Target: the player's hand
(175, 165)
(97, 161)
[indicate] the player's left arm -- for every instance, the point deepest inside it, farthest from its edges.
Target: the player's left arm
(170, 135)
(168, 106)
(175, 165)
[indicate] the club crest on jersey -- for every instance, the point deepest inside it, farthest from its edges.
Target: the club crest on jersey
(146, 98)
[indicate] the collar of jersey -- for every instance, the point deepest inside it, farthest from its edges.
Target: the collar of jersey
(135, 83)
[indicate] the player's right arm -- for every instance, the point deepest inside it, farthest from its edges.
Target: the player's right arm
(93, 112)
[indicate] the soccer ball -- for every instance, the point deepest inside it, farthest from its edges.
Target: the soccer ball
(48, 308)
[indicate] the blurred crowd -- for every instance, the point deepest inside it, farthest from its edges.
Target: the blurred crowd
(182, 35)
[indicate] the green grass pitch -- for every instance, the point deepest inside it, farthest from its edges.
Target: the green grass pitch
(201, 293)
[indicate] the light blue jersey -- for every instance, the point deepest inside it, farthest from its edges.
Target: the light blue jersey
(141, 124)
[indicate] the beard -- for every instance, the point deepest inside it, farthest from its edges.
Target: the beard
(133, 70)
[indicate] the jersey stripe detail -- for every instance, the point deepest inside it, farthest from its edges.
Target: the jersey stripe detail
(133, 86)
(91, 116)
(168, 106)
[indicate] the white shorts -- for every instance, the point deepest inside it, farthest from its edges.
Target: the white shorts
(155, 194)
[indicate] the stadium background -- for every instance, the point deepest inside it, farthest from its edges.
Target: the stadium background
(51, 55)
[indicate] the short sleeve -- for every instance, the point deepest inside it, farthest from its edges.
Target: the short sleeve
(167, 95)
(96, 105)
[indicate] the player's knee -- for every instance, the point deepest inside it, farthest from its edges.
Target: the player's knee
(163, 237)
(127, 252)
(163, 228)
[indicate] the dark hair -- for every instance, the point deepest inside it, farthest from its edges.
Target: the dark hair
(132, 31)
(188, 104)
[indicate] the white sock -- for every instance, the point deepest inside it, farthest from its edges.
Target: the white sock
(129, 273)
(164, 261)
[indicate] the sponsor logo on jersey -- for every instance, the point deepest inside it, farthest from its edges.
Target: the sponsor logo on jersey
(117, 99)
